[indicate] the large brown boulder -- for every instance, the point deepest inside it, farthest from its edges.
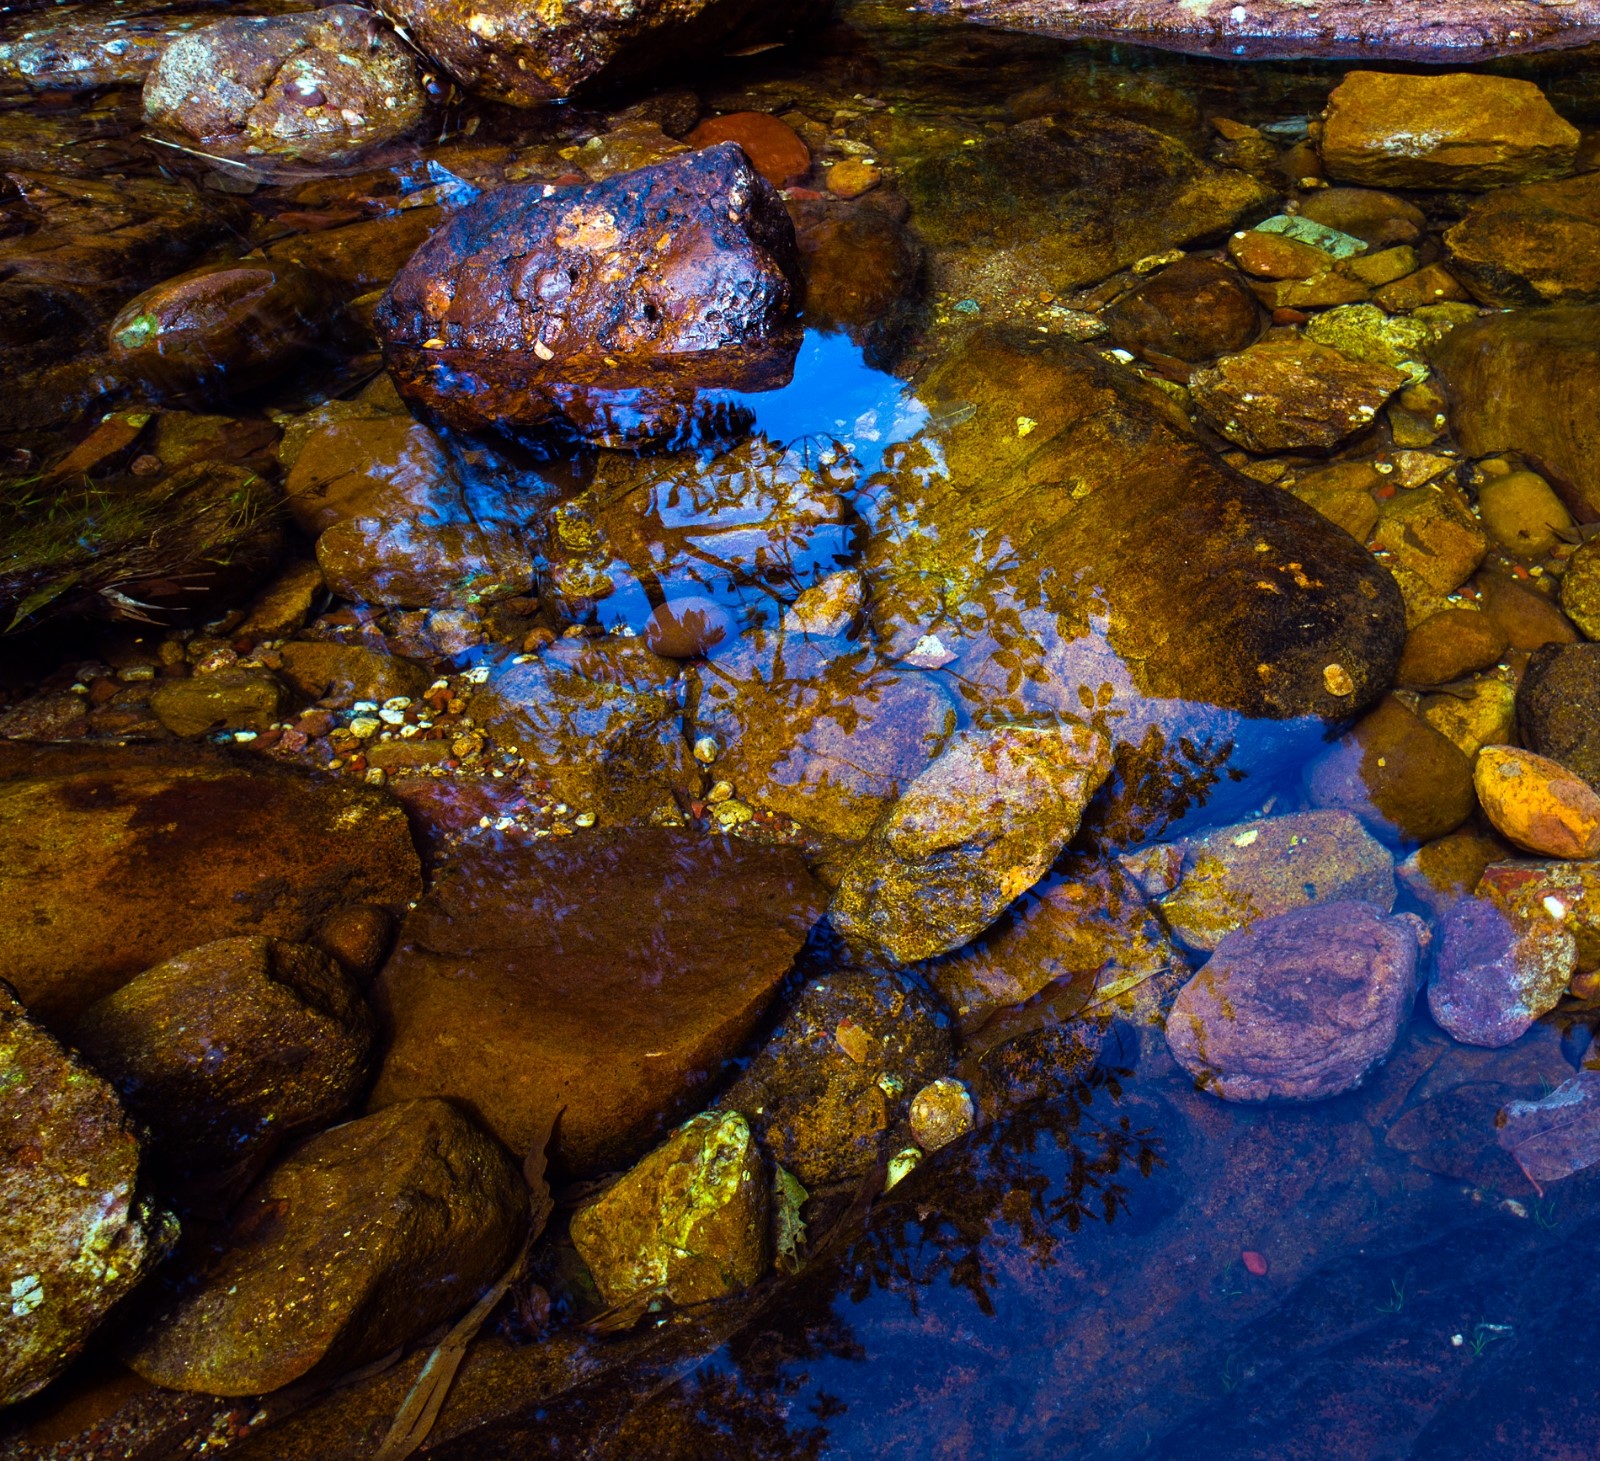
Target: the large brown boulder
(114, 859)
(76, 1230)
(1057, 534)
(1529, 382)
(1453, 31)
(604, 978)
(525, 55)
(1534, 245)
(319, 87)
(608, 307)
(363, 1239)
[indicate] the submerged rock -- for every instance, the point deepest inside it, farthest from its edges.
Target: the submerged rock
(341, 674)
(1558, 707)
(1298, 1007)
(1193, 311)
(1558, 1135)
(974, 831)
(113, 859)
(76, 1230)
(319, 87)
(1055, 203)
(1289, 394)
(687, 1224)
(226, 699)
(606, 978)
(1463, 130)
(829, 1093)
(1236, 876)
(1071, 547)
(1445, 30)
(607, 307)
(365, 1238)
(500, 50)
(1498, 969)
(232, 1047)
(1529, 382)
(1534, 245)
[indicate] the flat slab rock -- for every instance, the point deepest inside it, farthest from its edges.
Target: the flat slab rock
(112, 860)
(1452, 32)
(606, 978)
(76, 1231)
(1559, 1135)
(1298, 1007)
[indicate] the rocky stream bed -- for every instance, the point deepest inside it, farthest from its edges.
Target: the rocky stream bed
(746, 731)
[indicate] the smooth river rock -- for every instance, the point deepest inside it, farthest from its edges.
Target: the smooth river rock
(1499, 967)
(364, 1238)
(606, 307)
(115, 858)
(1534, 245)
(1298, 1007)
(1443, 31)
(77, 1231)
(606, 978)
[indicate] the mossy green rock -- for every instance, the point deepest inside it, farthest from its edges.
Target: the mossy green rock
(76, 1230)
(689, 1223)
(366, 1237)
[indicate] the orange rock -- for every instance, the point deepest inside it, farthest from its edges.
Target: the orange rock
(774, 147)
(1538, 804)
(852, 177)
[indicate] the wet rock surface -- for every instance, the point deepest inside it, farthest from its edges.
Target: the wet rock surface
(981, 825)
(320, 87)
(1556, 1136)
(1457, 30)
(510, 312)
(77, 1229)
(102, 846)
(1455, 131)
(1497, 972)
(1531, 246)
(687, 1224)
(1558, 707)
(1194, 310)
(571, 1011)
(1537, 803)
(232, 1047)
(829, 1094)
(368, 1235)
(1298, 1007)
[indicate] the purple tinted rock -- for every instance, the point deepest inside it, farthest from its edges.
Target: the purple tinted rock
(1298, 1007)
(1445, 31)
(1497, 972)
(1559, 1135)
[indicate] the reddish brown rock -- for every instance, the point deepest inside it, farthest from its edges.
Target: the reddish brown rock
(609, 307)
(364, 1238)
(77, 1231)
(1447, 645)
(1298, 1007)
(773, 146)
(863, 269)
(606, 978)
(323, 86)
(507, 51)
(115, 858)
(1194, 310)
(1453, 31)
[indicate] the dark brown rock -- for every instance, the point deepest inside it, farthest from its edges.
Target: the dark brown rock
(114, 859)
(1194, 310)
(1497, 973)
(525, 309)
(1533, 245)
(1048, 205)
(226, 699)
(438, 563)
(830, 1091)
(607, 978)
(1558, 707)
(1298, 1007)
(340, 674)
(1396, 773)
(863, 269)
(1455, 31)
(319, 87)
(505, 52)
(77, 1232)
(366, 1237)
(1529, 382)
(1447, 645)
(226, 1050)
(1380, 219)
(219, 329)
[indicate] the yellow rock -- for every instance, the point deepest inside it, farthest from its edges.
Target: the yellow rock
(1538, 804)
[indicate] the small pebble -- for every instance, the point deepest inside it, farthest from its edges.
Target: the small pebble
(901, 1165)
(941, 1112)
(706, 750)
